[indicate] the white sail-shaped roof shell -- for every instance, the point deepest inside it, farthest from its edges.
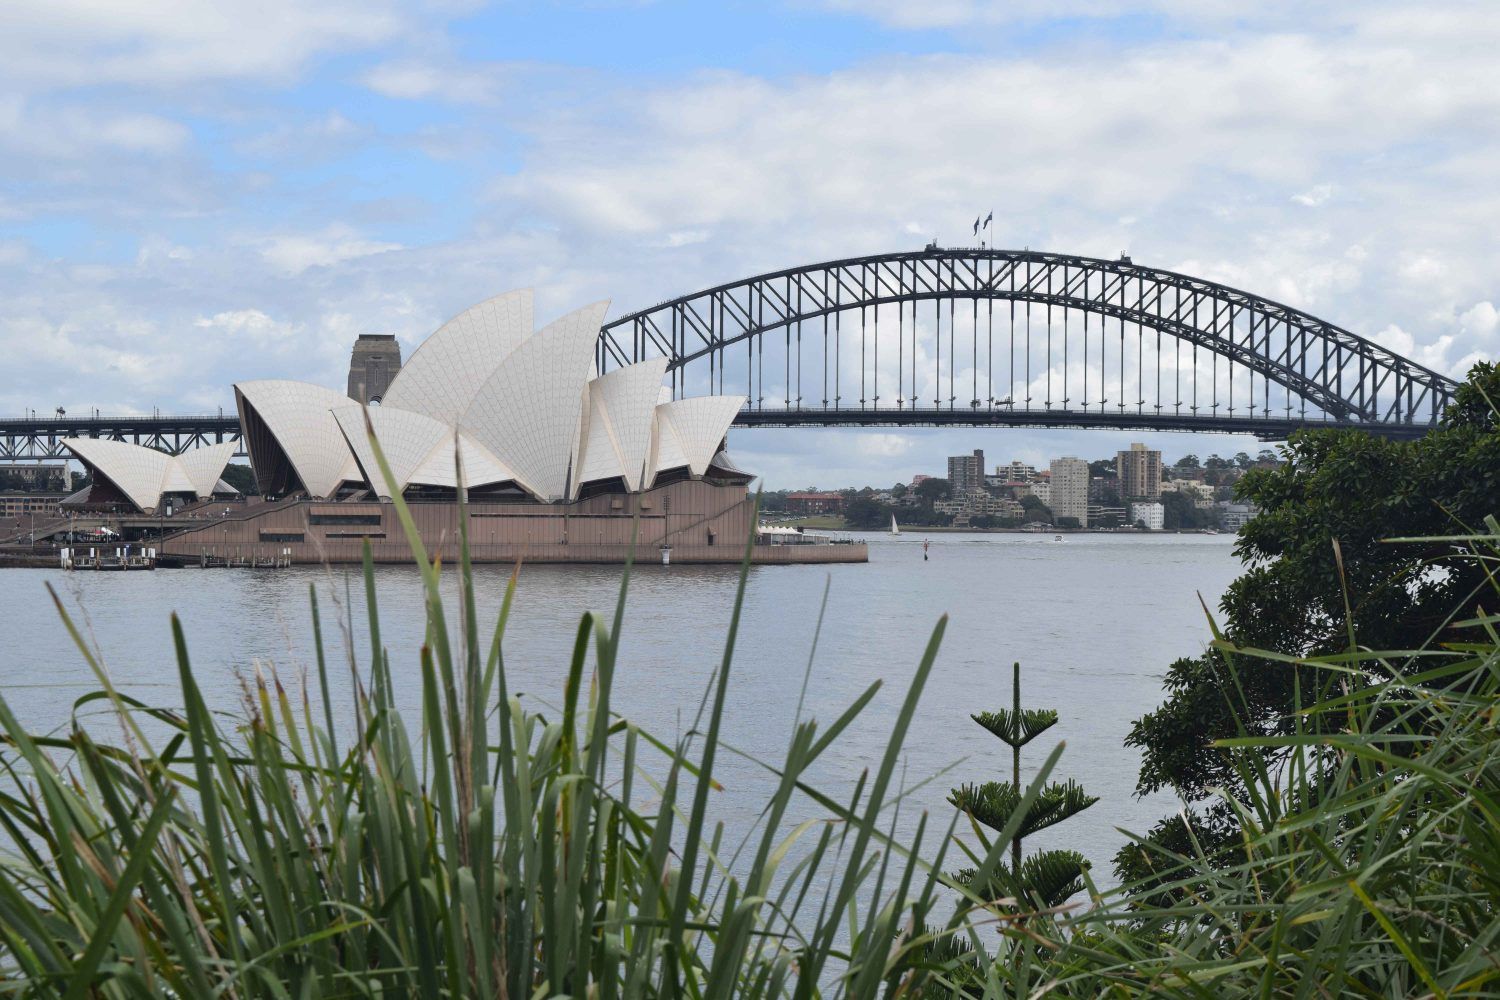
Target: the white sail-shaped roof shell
(418, 449)
(621, 418)
(518, 408)
(444, 375)
(135, 471)
(175, 480)
(406, 439)
(299, 415)
(144, 474)
(529, 412)
(688, 431)
(202, 467)
(480, 467)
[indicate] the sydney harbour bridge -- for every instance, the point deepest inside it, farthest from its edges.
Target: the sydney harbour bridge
(967, 337)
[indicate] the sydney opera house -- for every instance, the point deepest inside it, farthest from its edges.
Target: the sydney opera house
(558, 462)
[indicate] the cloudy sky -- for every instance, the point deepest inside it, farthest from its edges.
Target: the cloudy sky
(193, 193)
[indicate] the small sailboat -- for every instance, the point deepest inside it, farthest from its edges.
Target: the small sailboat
(894, 529)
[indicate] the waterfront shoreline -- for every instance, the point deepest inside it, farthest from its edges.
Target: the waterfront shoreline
(821, 524)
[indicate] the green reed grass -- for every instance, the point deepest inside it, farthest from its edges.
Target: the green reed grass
(494, 851)
(490, 852)
(1369, 863)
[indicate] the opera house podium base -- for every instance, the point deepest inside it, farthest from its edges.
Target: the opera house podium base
(698, 521)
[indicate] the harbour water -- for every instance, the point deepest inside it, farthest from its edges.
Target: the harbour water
(1094, 620)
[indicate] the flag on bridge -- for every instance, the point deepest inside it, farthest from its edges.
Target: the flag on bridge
(976, 225)
(989, 218)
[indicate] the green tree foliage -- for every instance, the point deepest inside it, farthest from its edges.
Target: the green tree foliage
(773, 502)
(929, 490)
(1178, 513)
(1324, 561)
(863, 512)
(241, 477)
(1035, 509)
(1047, 878)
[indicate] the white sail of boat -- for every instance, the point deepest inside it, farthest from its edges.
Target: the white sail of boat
(894, 530)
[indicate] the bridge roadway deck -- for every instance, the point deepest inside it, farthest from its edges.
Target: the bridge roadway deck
(1265, 428)
(22, 440)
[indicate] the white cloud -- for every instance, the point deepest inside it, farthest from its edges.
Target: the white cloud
(1482, 320)
(1201, 151)
(169, 42)
(736, 149)
(154, 248)
(293, 253)
(882, 445)
(1433, 353)
(316, 137)
(419, 80)
(951, 14)
(252, 325)
(72, 132)
(1314, 196)
(686, 237)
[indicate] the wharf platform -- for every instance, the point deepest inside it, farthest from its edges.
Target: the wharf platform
(698, 522)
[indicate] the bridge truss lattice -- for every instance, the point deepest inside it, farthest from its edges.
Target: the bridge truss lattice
(967, 337)
(984, 336)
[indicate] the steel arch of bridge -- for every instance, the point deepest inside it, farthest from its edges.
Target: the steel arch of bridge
(1326, 376)
(1315, 373)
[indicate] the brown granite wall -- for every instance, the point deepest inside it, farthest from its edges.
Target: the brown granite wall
(702, 522)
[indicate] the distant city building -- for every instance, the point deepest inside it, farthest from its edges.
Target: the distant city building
(1069, 494)
(1041, 489)
(1002, 507)
(372, 366)
(919, 479)
(966, 472)
(1189, 488)
(1016, 472)
(814, 503)
(1139, 472)
(1100, 513)
(31, 476)
(1151, 514)
(974, 503)
(1237, 515)
(23, 504)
